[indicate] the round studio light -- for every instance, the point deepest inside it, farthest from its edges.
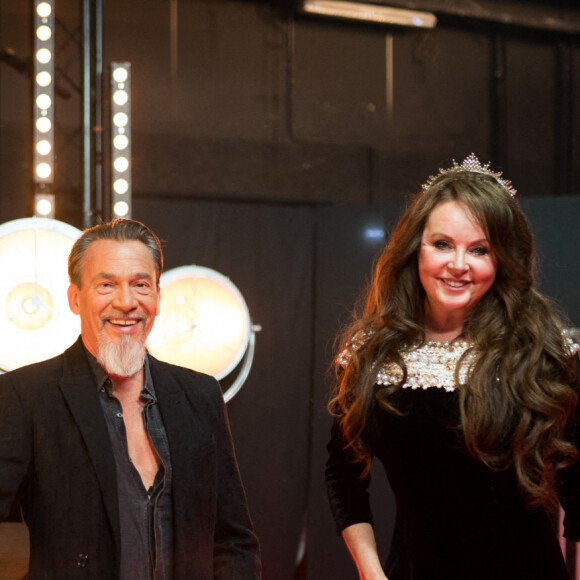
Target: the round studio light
(43, 33)
(43, 124)
(121, 186)
(43, 170)
(43, 207)
(120, 74)
(121, 164)
(43, 101)
(35, 318)
(120, 97)
(120, 120)
(120, 142)
(43, 147)
(43, 56)
(203, 323)
(121, 208)
(43, 79)
(44, 9)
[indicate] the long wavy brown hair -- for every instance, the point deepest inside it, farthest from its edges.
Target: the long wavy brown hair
(515, 422)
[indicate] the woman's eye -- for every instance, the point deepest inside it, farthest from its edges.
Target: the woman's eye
(442, 245)
(480, 251)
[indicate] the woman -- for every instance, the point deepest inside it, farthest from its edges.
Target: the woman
(459, 379)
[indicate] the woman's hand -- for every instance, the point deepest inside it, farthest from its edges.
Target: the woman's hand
(360, 539)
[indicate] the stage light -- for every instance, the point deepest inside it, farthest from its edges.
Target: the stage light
(43, 170)
(43, 147)
(121, 209)
(203, 324)
(44, 205)
(43, 32)
(43, 79)
(121, 192)
(43, 9)
(370, 13)
(44, 56)
(35, 317)
(43, 109)
(43, 124)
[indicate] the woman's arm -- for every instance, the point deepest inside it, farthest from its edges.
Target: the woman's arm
(360, 539)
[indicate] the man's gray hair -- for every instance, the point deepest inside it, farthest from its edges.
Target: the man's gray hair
(121, 230)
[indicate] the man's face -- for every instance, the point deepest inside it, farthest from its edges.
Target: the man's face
(118, 296)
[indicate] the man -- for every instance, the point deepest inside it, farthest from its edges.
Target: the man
(123, 465)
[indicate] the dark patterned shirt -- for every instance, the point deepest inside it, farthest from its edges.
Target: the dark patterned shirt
(146, 516)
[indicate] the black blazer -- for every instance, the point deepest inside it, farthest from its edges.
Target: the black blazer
(56, 458)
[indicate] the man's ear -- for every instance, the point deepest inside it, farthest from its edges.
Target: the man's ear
(73, 298)
(158, 301)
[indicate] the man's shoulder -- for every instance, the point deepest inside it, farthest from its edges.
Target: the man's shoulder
(46, 370)
(43, 368)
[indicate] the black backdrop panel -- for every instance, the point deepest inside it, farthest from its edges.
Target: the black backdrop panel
(555, 222)
(300, 269)
(348, 241)
(267, 252)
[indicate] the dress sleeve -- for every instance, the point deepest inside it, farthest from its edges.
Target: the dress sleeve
(347, 492)
(568, 479)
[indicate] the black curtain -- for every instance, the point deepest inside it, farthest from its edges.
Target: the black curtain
(301, 268)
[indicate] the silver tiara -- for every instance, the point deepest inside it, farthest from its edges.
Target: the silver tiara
(472, 163)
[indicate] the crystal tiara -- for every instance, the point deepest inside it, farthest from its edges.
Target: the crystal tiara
(472, 163)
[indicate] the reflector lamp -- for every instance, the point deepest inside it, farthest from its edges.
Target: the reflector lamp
(203, 324)
(35, 317)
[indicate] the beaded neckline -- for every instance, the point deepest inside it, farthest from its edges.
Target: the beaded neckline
(433, 364)
(430, 365)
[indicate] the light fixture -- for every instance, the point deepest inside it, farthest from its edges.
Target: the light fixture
(370, 13)
(204, 324)
(44, 205)
(121, 185)
(43, 102)
(35, 317)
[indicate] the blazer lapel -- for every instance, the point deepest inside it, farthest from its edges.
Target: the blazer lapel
(80, 390)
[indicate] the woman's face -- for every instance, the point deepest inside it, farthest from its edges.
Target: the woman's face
(457, 265)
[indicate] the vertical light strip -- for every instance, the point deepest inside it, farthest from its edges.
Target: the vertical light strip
(121, 186)
(43, 108)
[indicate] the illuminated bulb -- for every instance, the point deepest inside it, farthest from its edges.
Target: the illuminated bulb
(43, 101)
(43, 79)
(43, 170)
(43, 124)
(121, 208)
(43, 56)
(121, 186)
(121, 164)
(120, 75)
(44, 9)
(43, 147)
(120, 119)
(43, 207)
(120, 97)
(43, 32)
(120, 142)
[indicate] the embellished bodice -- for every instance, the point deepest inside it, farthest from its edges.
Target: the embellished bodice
(432, 364)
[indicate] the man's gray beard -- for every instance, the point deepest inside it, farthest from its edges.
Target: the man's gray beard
(122, 359)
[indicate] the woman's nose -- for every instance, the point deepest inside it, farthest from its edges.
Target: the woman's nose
(458, 262)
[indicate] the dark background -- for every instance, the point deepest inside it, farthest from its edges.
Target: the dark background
(265, 146)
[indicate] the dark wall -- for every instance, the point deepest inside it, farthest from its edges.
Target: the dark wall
(253, 100)
(300, 268)
(264, 147)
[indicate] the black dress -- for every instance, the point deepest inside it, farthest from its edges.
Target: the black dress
(456, 519)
